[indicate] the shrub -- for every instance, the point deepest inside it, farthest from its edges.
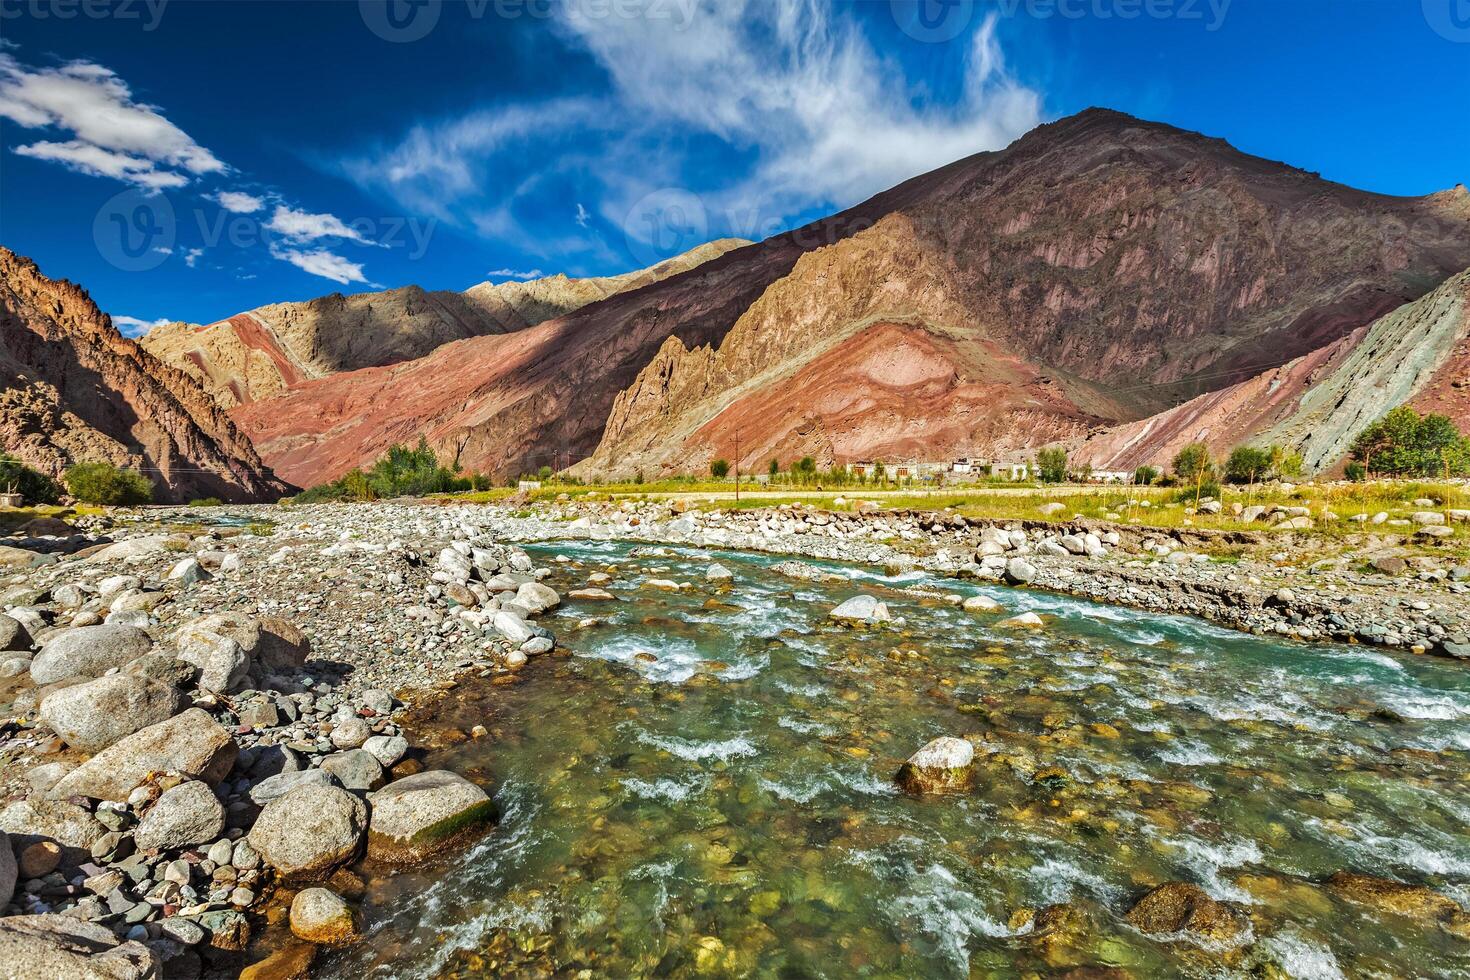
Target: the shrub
(544, 473)
(773, 468)
(207, 502)
(1405, 443)
(1247, 464)
(36, 487)
(1356, 472)
(103, 483)
(1145, 475)
(1051, 465)
(719, 468)
(1193, 464)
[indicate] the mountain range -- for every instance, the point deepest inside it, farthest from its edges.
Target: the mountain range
(1117, 285)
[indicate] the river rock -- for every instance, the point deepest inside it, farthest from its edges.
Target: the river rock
(1021, 621)
(13, 635)
(192, 744)
(93, 715)
(222, 663)
(8, 870)
(88, 651)
(387, 749)
(355, 769)
(512, 627)
(1178, 906)
(419, 815)
(40, 947)
(277, 786)
(1019, 571)
(320, 916)
(34, 820)
(981, 604)
(309, 831)
(945, 765)
(537, 598)
(1396, 898)
(187, 572)
(269, 642)
(350, 733)
(185, 815)
(861, 609)
(718, 573)
(291, 962)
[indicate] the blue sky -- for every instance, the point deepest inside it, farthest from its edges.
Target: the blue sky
(185, 159)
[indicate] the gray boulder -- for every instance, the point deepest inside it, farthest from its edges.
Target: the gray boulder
(320, 916)
(8, 870)
(308, 832)
(88, 651)
(512, 627)
(269, 643)
(350, 733)
(355, 769)
(192, 744)
(861, 609)
(421, 814)
(1020, 571)
(31, 821)
(944, 765)
(183, 816)
(222, 663)
(40, 947)
(277, 786)
(93, 715)
(387, 749)
(537, 598)
(13, 635)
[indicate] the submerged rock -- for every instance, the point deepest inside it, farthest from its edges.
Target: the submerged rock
(1023, 621)
(421, 814)
(320, 916)
(1178, 906)
(1396, 898)
(945, 765)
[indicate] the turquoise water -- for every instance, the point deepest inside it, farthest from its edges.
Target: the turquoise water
(701, 785)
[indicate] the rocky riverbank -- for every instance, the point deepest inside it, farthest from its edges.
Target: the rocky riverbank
(200, 713)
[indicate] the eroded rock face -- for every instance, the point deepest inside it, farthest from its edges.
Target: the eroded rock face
(309, 831)
(1178, 906)
(418, 815)
(94, 715)
(943, 766)
(191, 743)
(73, 389)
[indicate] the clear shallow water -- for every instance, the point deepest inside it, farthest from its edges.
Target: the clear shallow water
(704, 788)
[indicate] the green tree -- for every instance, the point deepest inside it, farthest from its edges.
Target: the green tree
(1285, 462)
(33, 485)
(544, 473)
(773, 468)
(719, 468)
(103, 483)
(1193, 464)
(1145, 475)
(1355, 471)
(1405, 443)
(1051, 465)
(1247, 464)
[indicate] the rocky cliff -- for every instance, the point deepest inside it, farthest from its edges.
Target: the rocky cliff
(260, 354)
(1317, 404)
(72, 389)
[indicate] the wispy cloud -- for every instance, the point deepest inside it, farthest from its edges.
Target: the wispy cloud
(520, 274)
(238, 202)
(320, 262)
(108, 134)
(301, 226)
(131, 326)
(582, 216)
(191, 257)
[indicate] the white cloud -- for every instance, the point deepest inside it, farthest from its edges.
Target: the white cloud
(582, 216)
(320, 262)
(522, 275)
(191, 257)
(110, 134)
(300, 226)
(131, 326)
(238, 202)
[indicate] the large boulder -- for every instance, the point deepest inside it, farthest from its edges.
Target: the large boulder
(355, 769)
(40, 947)
(1019, 571)
(1178, 906)
(537, 598)
(222, 663)
(421, 814)
(320, 916)
(269, 643)
(945, 765)
(13, 634)
(88, 651)
(861, 609)
(34, 820)
(8, 870)
(93, 715)
(185, 815)
(192, 744)
(308, 832)
(276, 786)
(1396, 898)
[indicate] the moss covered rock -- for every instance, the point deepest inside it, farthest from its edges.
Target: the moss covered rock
(421, 814)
